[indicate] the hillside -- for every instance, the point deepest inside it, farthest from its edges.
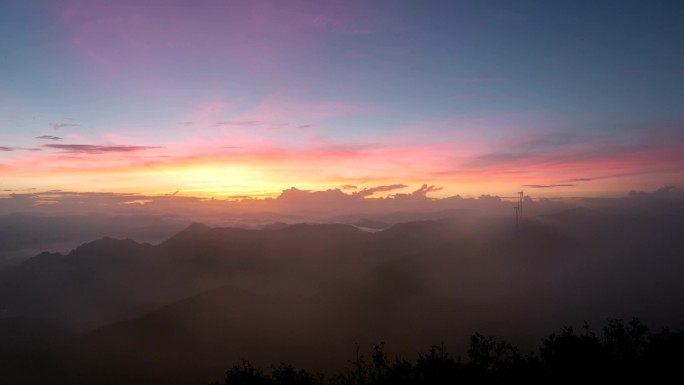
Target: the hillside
(183, 310)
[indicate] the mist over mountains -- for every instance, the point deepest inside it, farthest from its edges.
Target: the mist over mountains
(334, 192)
(185, 309)
(26, 234)
(59, 221)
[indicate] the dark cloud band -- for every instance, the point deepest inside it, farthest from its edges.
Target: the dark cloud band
(548, 185)
(96, 149)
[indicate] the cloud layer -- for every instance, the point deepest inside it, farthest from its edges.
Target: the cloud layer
(95, 149)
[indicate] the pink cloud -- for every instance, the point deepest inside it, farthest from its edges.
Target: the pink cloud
(115, 36)
(290, 155)
(560, 157)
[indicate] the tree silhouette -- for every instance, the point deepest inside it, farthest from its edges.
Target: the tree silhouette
(284, 374)
(625, 353)
(246, 374)
(569, 357)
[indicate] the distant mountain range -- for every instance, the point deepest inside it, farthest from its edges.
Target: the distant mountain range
(23, 235)
(184, 310)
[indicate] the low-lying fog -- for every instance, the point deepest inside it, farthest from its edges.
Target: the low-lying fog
(305, 278)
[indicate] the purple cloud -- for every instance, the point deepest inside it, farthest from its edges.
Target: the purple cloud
(5, 148)
(547, 185)
(372, 190)
(424, 189)
(96, 149)
(48, 137)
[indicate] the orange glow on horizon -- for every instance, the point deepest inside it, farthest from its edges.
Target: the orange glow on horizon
(262, 170)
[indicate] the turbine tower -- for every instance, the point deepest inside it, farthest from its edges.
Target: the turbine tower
(518, 208)
(517, 215)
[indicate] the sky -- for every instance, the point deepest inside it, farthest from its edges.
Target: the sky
(234, 99)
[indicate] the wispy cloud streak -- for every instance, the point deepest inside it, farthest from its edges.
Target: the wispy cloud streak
(57, 126)
(372, 190)
(96, 149)
(548, 185)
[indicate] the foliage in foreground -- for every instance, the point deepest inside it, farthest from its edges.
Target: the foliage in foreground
(625, 353)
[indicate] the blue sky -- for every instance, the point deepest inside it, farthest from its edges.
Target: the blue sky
(411, 91)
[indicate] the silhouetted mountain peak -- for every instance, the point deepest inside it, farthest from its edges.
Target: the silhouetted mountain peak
(43, 257)
(191, 231)
(105, 243)
(195, 228)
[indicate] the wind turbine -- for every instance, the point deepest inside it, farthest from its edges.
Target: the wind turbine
(518, 208)
(517, 214)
